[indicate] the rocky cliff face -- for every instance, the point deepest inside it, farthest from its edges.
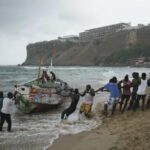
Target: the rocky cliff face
(93, 53)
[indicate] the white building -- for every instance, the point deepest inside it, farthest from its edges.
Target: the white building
(69, 38)
(101, 32)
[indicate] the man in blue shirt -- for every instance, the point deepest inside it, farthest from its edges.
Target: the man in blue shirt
(113, 99)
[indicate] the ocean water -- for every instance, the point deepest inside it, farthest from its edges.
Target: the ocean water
(38, 131)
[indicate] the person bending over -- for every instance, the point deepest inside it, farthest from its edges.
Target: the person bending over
(74, 101)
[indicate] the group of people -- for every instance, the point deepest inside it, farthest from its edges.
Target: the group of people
(126, 93)
(45, 77)
(85, 107)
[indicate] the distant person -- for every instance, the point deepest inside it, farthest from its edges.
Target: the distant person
(74, 101)
(45, 77)
(148, 92)
(114, 96)
(64, 90)
(1, 100)
(141, 92)
(86, 106)
(126, 93)
(65, 86)
(6, 111)
(134, 84)
(53, 76)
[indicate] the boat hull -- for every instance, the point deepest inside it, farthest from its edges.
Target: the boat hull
(38, 107)
(27, 106)
(34, 96)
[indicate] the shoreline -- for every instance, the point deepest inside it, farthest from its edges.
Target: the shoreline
(132, 66)
(127, 131)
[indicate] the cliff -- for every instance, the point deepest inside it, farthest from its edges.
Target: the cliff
(116, 49)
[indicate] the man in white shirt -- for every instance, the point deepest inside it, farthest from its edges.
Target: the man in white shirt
(141, 92)
(6, 111)
(86, 106)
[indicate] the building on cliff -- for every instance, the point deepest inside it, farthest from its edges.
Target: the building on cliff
(101, 32)
(139, 26)
(69, 38)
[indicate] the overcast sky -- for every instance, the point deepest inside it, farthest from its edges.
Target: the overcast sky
(28, 21)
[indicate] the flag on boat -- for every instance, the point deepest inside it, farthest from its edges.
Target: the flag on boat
(53, 52)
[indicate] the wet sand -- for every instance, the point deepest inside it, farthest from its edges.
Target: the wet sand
(128, 131)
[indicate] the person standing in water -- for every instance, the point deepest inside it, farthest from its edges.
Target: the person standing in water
(74, 101)
(86, 106)
(6, 111)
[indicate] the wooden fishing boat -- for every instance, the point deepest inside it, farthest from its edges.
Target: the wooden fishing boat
(35, 96)
(43, 93)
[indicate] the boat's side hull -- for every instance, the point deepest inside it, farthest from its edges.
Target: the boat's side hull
(35, 96)
(27, 106)
(43, 107)
(37, 107)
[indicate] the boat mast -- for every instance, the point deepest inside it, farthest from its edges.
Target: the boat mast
(51, 64)
(39, 70)
(50, 68)
(53, 51)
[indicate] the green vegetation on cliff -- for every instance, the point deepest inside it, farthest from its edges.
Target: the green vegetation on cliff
(125, 55)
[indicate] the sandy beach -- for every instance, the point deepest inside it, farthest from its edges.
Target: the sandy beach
(128, 131)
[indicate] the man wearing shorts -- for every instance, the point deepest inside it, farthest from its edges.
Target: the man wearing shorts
(114, 96)
(86, 106)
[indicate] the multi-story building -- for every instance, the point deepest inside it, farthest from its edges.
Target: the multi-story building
(101, 32)
(139, 26)
(69, 38)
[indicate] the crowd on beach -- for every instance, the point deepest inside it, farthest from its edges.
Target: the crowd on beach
(128, 94)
